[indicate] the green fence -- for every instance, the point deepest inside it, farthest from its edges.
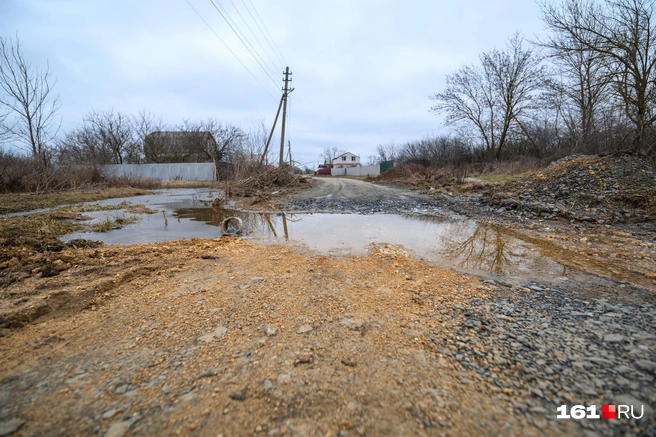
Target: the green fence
(385, 165)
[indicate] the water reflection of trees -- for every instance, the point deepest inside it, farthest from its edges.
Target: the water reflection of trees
(486, 248)
(270, 225)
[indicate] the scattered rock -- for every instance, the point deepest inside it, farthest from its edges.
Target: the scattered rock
(304, 329)
(303, 359)
(267, 384)
(348, 362)
(188, 397)
(8, 427)
(214, 335)
(614, 338)
(271, 330)
(647, 365)
(237, 396)
(120, 427)
(109, 414)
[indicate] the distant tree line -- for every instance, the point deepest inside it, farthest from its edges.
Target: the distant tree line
(589, 86)
(111, 137)
(42, 157)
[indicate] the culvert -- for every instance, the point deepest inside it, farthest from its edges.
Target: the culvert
(231, 226)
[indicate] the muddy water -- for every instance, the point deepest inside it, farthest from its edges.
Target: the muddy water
(452, 242)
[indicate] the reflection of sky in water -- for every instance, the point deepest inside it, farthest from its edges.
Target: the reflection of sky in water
(463, 244)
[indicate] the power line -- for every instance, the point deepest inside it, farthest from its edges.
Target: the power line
(242, 41)
(229, 49)
(255, 36)
(241, 34)
(270, 39)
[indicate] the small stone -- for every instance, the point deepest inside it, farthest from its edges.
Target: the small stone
(304, 329)
(214, 335)
(267, 384)
(8, 427)
(188, 397)
(613, 338)
(271, 330)
(599, 360)
(237, 396)
(121, 389)
(303, 359)
(109, 414)
(282, 379)
(120, 427)
(208, 373)
(647, 365)
(348, 362)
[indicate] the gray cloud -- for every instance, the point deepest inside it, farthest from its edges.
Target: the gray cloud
(363, 69)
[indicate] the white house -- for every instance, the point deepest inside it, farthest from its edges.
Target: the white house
(347, 159)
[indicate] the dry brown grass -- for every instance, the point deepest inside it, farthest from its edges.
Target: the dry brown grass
(458, 178)
(17, 202)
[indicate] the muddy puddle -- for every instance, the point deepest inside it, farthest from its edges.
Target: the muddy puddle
(444, 241)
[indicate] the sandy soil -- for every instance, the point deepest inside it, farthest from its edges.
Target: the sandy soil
(226, 337)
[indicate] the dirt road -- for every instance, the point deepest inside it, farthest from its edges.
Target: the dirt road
(226, 337)
(330, 194)
(330, 187)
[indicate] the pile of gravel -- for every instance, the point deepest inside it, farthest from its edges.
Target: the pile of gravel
(601, 189)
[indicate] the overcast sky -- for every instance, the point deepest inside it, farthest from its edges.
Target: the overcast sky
(363, 69)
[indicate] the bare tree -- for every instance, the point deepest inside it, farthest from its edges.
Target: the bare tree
(115, 132)
(28, 104)
(621, 35)
(145, 123)
(331, 153)
(495, 96)
(82, 146)
(228, 139)
(387, 152)
(105, 137)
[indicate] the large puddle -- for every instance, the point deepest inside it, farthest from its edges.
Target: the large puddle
(459, 243)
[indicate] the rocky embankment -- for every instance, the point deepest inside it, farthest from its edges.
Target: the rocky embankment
(597, 189)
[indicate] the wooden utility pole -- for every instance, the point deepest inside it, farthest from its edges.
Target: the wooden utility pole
(266, 148)
(289, 149)
(285, 93)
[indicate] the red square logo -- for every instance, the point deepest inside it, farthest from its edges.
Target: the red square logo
(608, 412)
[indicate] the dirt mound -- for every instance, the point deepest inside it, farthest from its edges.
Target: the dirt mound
(602, 189)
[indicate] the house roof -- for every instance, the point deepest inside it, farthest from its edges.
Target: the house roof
(346, 153)
(177, 135)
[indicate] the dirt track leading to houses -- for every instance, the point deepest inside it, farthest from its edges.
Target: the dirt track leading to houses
(350, 189)
(332, 194)
(226, 337)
